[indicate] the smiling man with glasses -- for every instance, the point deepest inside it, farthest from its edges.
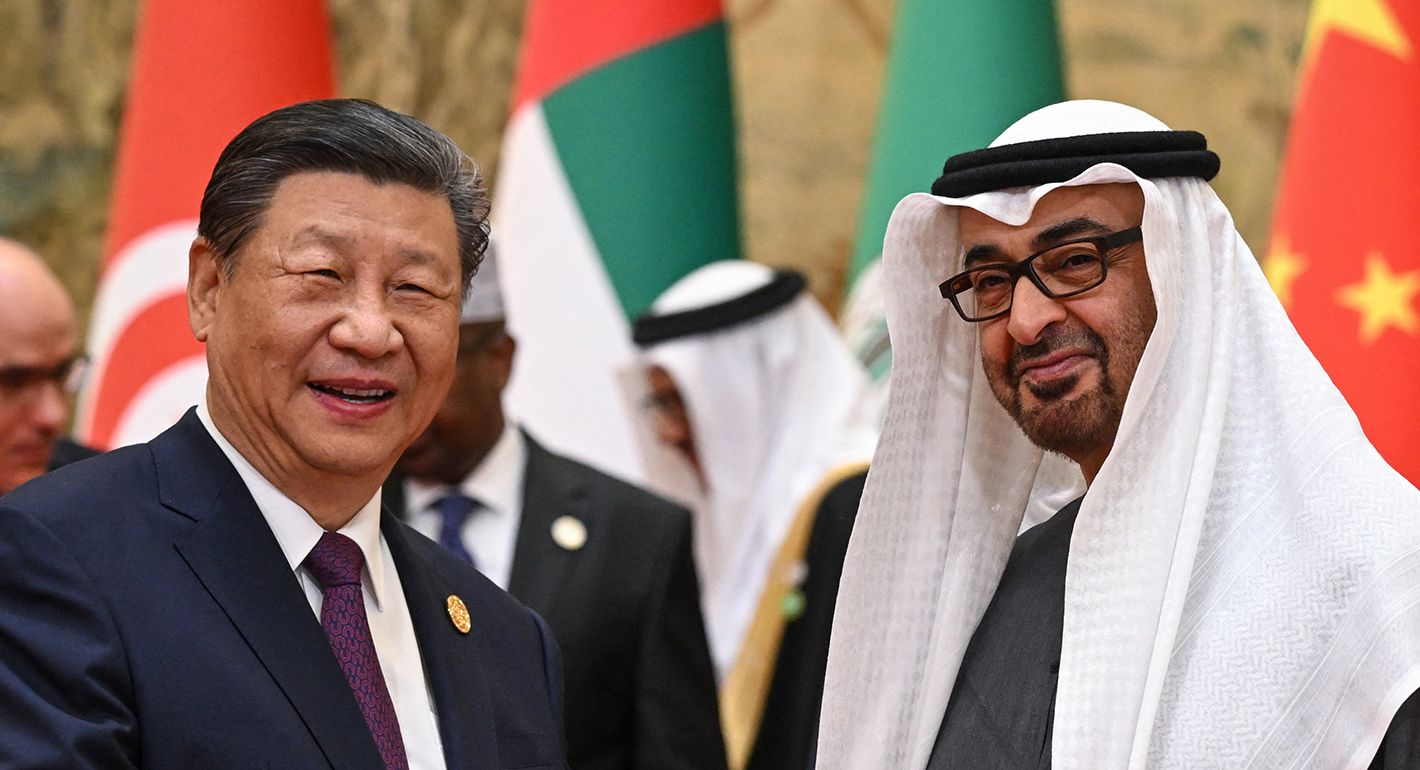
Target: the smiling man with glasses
(1119, 516)
(1060, 348)
(39, 368)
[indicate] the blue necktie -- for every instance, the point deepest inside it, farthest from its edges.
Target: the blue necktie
(455, 509)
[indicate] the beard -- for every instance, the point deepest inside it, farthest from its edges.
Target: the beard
(1060, 420)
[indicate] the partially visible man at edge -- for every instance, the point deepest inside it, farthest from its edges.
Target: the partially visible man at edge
(39, 368)
(1073, 312)
(229, 594)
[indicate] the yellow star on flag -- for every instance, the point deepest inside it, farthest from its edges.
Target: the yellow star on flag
(1282, 266)
(1383, 298)
(1369, 21)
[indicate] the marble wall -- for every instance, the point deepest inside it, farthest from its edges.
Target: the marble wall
(808, 75)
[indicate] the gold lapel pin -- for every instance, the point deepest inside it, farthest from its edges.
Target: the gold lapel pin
(458, 614)
(569, 532)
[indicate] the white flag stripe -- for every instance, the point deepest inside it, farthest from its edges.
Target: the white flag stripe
(162, 401)
(149, 268)
(572, 333)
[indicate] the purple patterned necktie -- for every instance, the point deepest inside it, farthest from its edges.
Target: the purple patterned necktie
(335, 563)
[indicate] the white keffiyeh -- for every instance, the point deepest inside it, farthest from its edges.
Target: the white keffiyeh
(775, 404)
(1243, 586)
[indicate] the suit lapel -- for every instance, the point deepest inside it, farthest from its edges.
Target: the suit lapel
(451, 662)
(233, 553)
(541, 567)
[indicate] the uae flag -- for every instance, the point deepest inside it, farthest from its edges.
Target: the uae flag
(617, 178)
(202, 70)
(1344, 255)
(960, 72)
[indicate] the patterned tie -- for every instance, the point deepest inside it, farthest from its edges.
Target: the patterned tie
(456, 509)
(335, 563)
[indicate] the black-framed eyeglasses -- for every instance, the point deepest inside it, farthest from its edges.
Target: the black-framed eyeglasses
(17, 381)
(984, 292)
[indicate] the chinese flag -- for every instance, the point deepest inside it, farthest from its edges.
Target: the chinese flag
(202, 70)
(1345, 250)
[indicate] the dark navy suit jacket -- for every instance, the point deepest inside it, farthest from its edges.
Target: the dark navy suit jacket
(625, 608)
(149, 619)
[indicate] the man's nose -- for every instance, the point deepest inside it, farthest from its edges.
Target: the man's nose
(366, 327)
(668, 430)
(1031, 312)
(50, 409)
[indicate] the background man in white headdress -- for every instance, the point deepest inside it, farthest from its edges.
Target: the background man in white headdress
(751, 382)
(608, 565)
(1238, 586)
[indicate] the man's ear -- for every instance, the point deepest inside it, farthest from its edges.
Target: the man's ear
(205, 279)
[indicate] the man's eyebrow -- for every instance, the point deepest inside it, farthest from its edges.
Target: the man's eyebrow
(984, 252)
(337, 240)
(1070, 228)
(418, 256)
(321, 235)
(1060, 231)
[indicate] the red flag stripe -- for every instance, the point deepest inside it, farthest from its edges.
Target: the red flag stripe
(1345, 236)
(564, 39)
(202, 70)
(134, 359)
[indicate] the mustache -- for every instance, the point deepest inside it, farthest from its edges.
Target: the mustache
(1056, 338)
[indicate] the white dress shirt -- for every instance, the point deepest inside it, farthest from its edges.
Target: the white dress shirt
(390, 624)
(491, 532)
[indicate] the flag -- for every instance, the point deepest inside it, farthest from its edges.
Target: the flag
(1344, 252)
(960, 72)
(202, 70)
(617, 178)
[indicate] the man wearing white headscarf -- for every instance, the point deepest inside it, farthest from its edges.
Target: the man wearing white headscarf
(750, 380)
(1239, 585)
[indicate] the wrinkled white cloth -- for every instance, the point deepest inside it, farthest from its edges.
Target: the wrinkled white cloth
(1243, 586)
(775, 404)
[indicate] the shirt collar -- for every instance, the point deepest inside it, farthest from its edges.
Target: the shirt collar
(296, 532)
(496, 482)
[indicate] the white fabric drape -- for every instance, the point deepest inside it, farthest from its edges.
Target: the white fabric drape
(775, 403)
(1243, 586)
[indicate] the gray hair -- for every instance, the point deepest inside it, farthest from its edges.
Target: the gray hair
(350, 135)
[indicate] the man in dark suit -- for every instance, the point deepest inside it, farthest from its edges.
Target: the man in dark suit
(229, 595)
(40, 366)
(607, 564)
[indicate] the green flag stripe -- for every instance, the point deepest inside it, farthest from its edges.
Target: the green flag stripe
(960, 71)
(647, 143)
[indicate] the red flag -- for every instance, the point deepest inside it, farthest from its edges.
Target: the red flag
(202, 70)
(1345, 246)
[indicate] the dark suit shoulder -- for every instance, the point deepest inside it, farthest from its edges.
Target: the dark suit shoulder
(643, 507)
(90, 479)
(844, 496)
(836, 513)
(68, 451)
(92, 498)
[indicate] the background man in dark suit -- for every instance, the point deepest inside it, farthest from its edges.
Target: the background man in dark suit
(39, 367)
(176, 604)
(609, 565)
